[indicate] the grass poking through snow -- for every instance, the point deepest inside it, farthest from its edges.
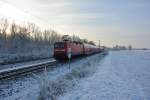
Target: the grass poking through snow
(51, 89)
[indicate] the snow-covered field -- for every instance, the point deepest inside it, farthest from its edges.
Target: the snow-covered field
(121, 75)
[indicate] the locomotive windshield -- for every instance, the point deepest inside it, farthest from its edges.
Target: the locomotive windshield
(59, 45)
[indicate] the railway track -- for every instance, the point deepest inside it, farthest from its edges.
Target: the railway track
(9, 72)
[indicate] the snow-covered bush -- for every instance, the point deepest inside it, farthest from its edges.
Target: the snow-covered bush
(86, 70)
(51, 89)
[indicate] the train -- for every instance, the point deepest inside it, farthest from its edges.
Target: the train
(63, 49)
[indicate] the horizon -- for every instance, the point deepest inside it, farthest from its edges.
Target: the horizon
(114, 23)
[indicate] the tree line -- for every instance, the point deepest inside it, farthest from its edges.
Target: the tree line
(22, 37)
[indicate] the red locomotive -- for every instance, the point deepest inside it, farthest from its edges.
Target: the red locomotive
(61, 49)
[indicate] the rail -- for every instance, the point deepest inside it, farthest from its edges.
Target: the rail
(5, 73)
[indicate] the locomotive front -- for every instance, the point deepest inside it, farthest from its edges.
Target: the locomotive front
(60, 50)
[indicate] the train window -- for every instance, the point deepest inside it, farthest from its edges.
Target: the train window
(59, 45)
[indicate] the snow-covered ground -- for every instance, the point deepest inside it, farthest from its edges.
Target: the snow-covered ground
(22, 87)
(121, 75)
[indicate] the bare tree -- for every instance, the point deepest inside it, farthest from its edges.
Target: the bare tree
(3, 27)
(13, 29)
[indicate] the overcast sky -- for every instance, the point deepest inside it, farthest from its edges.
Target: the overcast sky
(113, 22)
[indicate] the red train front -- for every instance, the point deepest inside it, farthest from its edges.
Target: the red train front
(61, 49)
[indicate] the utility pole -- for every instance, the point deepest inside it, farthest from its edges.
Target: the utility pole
(99, 44)
(69, 55)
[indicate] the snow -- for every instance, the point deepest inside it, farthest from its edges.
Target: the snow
(21, 88)
(24, 63)
(121, 75)
(26, 66)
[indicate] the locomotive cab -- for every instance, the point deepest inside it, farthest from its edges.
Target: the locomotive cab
(60, 50)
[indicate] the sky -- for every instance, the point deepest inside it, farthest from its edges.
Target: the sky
(121, 22)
